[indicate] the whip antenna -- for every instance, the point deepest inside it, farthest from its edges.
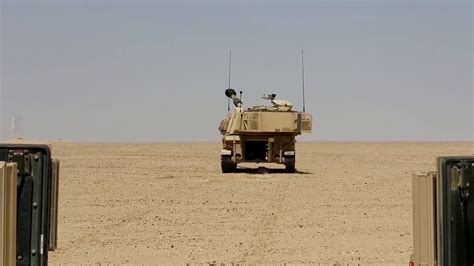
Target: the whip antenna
(230, 68)
(302, 75)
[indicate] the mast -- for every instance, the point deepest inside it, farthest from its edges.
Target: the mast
(228, 87)
(302, 75)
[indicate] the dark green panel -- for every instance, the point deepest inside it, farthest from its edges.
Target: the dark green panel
(34, 185)
(456, 210)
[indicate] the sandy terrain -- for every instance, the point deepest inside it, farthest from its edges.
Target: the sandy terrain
(169, 204)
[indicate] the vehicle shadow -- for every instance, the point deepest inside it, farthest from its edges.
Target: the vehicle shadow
(264, 170)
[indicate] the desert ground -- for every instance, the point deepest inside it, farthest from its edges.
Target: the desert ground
(154, 204)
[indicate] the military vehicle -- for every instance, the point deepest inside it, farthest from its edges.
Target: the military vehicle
(443, 213)
(28, 203)
(261, 134)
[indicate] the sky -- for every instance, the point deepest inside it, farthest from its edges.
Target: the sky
(104, 71)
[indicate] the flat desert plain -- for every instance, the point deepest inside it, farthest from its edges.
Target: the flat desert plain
(156, 204)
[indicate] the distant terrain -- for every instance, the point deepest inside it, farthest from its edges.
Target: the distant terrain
(170, 204)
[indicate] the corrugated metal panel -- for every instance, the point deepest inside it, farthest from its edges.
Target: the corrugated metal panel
(424, 218)
(8, 212)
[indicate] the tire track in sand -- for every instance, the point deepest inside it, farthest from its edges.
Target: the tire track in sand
(264, 229)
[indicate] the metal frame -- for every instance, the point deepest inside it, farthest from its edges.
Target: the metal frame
(34, 198)
(452, 241)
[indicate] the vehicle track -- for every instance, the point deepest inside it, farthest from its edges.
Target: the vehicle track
(265, 228)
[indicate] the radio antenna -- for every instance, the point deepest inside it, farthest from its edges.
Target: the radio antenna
(302, 75)
(230, 68)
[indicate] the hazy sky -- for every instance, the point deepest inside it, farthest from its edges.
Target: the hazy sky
(104, 71)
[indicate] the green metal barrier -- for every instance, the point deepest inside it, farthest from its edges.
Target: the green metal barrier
(37, 187)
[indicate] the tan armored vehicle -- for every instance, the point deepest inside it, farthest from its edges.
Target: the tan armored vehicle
(261, 134)
(443, 214)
